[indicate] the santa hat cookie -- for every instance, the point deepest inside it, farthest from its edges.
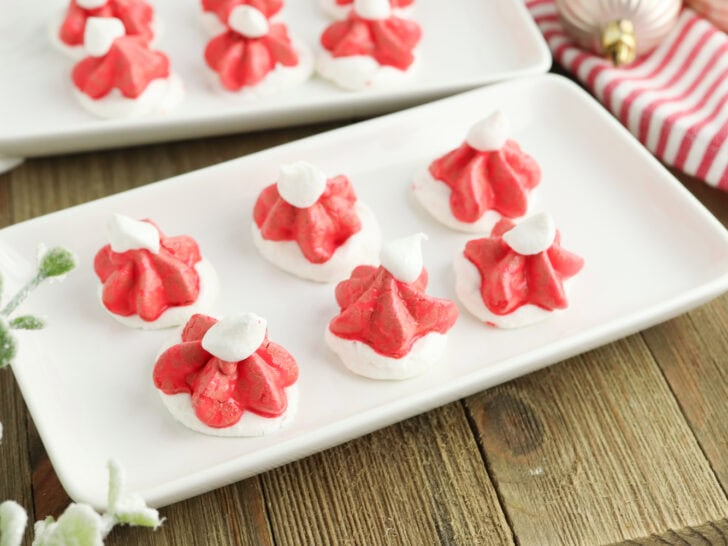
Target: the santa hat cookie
(215, 12)
(150, 281)
(68, 31)
(122, 77)
(255, 57)
(372, 47)
(388, 327)
(517, 276)
(314, 227)
(340, 9)
(487, 178)
(226, 378)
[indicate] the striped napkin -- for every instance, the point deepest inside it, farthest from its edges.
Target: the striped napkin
(674, 100)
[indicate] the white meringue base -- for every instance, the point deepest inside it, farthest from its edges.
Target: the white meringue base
(362, 248)
(277, 80)
(175, 316)
(467, 288)
(359, 72)
(434, 196)
(334, 10)
(361, 359)
(77, 53)
(160, 97)
(250, 424)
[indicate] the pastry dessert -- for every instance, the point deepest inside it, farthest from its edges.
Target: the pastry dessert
(226, 378)
(215, 12)
(255, 57)
(314, 227)
(388, 327)
(67, 32)
(122, 77)
(486, 179)
(518, 275)
(372, 47)
(150, 281)
(339, 9)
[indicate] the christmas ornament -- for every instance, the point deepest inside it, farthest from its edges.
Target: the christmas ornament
(619, 29)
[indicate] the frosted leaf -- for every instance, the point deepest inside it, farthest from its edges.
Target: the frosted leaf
(128, 509)
(79, 525)
(13, 520)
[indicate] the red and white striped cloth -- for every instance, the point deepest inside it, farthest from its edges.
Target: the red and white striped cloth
(675, 100)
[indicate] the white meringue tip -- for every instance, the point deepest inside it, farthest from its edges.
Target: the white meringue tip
(126, 233)
(100, 33)
(91, 4)
(403, 257)
(373, 9)
(248, 21)
(235, 337)
(301, 184)
(533, 235)
(490, 133)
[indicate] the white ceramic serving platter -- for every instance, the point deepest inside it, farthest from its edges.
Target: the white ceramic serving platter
(652, 252)
(475, 43)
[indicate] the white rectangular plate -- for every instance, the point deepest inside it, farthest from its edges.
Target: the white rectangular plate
(475, 43)
(652, 251)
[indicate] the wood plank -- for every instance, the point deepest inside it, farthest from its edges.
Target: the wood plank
(234, 515)
(595, 450)
(692, 351)
(418, 482)
(711, 533)
(15, 472)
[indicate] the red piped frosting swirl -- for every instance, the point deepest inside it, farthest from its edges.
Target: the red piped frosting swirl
(320, 229)
(222, 8)
(137, 16)
(139, 282)
(480, 181)
(397, 4)
(386, 314)
(242, 62)
(129, 66)
(511, 280)
(391, 42)
(223, 391)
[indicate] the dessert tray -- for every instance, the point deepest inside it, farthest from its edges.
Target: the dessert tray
(87, 379)
(495, 40)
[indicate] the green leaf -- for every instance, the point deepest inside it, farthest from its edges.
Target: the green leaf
(27, 322)
(79, 525)
(129, 509)
(8, 346)
(13, 520)
(56, 262)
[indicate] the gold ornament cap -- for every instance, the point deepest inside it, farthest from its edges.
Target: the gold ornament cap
(619, 42)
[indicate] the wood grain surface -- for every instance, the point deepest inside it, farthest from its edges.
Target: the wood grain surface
(624, 443)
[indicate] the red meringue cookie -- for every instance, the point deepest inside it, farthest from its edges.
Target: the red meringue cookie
(140, 282)
(222, 392)
(484, 180)
(136, 15)
(318, 230)
(129, 66)
(391, 42)
(393, 3)
(518, 267)
(387, 314)
(241, 61)
(498, 180)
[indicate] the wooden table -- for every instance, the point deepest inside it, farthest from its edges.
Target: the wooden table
(624, 443)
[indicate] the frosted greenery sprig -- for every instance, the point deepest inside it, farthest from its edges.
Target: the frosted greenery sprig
(80, 525)
(54, 263)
